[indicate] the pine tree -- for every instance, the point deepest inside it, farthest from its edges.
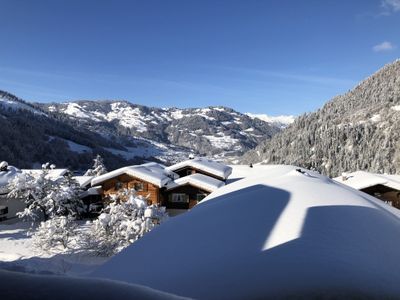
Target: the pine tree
(98, 167)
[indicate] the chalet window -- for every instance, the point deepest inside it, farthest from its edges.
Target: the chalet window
(118, 185)
(138, 186)
(179, 198)
(200, 197)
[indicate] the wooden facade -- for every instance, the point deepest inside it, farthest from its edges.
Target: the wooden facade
(143, 188)
(384, 193)
(188, 170)
(183, 197)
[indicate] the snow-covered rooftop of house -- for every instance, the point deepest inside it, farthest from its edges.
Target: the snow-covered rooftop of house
(361, 180)
(96, 190)
(199, 180)
(281, 233)
(151, 172)
(204, 164)
(83, 180)
(52, 173)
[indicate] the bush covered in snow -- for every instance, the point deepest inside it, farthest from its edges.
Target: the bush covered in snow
(56, 235)
(124, 220)
(45, 196)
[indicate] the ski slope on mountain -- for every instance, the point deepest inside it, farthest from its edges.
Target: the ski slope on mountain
(280, 232)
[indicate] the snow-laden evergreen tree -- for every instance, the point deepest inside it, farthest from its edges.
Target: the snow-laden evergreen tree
(124, 220)
(57, 235)
(98, 167)
(46, 197)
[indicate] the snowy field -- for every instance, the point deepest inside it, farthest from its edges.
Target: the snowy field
(18, 254)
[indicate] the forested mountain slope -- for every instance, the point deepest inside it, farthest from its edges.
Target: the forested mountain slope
(359, 130)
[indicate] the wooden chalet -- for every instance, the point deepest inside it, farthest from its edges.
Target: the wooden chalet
(164, 187)
(382, 186)
(147, 180)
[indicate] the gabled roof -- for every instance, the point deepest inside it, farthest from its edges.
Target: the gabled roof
(199, 180)
(83, 180)
(151, 172)
(204, 164)
(361, 180)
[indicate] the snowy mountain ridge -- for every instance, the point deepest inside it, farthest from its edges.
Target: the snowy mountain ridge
(281, 121)
(214, 131)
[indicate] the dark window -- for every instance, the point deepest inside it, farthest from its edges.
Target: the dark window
(200, 197)
(138, 186)
(179, 198)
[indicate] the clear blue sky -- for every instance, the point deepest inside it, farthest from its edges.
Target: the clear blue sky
(274, 57)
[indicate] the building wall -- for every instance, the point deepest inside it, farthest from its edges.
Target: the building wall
(112, 186)
(189, 190)
(14, 206)
(384, 193)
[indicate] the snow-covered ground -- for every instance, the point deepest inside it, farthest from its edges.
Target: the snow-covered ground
(281, 232)
(18, 254)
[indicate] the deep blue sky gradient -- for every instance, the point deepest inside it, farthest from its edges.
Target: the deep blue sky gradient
(274, 57)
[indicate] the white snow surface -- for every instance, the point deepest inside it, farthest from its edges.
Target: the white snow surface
(221, 141)
(52, 173)
(151, 172)
(14, 105)
(6, 176)
(281, 121)
(362, 179)
(396, 107)
(29, 287)
(204, 164)
(275, 234)
(199, 180)
(83, 180)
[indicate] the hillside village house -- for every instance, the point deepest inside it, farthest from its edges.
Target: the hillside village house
(382, 186)
(177, 191)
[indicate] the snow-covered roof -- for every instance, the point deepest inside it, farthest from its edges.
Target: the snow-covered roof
(204, 182)
(151, 172)
(273, 235)
(360, 180)
(204, 164)
(52, 173)
(6, 176)
(96, 190)
(83, 180)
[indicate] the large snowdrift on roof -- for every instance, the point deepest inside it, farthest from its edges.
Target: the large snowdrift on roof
(280, 233)
(25, 286)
